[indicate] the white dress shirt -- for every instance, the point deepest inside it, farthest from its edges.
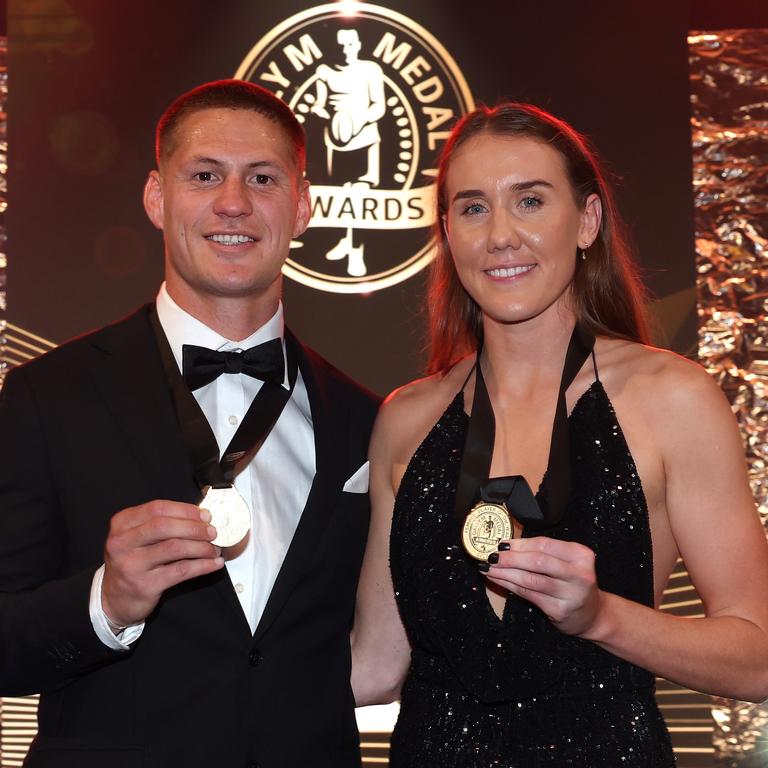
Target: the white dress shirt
(275, 483)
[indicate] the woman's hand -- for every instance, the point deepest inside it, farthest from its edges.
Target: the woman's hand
(556, 576)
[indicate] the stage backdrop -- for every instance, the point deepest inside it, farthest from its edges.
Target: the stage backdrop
(89, 79)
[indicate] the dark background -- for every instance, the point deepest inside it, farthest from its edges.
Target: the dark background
(88, 80)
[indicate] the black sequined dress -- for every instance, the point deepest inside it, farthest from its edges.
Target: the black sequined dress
(515, 692)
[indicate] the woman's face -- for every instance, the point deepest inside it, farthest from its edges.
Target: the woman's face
(513, 225)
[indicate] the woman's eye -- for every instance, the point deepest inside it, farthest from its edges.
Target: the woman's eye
(530, 202)
(474, 209)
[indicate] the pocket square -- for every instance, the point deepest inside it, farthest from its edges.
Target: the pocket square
(358, 483)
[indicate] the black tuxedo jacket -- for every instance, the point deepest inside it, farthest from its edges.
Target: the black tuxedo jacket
(88, 430)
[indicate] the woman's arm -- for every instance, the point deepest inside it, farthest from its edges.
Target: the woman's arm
(380, 649)
(713, 521)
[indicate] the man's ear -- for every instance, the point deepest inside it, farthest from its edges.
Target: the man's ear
(153, 198)
(303, 209)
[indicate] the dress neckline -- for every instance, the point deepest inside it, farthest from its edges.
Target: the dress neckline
(596, 385)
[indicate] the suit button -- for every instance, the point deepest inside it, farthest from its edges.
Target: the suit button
(254, 659)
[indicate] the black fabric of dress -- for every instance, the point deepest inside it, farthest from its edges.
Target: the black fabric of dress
(515, 692)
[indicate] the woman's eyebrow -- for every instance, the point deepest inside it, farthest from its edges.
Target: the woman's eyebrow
(520, 186)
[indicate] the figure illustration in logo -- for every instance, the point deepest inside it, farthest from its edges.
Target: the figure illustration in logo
(354, 91)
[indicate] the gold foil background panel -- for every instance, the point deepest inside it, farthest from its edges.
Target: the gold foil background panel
(729, 121)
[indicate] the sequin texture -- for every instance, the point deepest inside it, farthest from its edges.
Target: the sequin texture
(515, 692)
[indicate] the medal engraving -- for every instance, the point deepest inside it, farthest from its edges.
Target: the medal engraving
(230, 515)
(486, 525)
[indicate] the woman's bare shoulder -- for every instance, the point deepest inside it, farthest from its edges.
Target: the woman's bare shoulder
(656, 380)
(410, 411)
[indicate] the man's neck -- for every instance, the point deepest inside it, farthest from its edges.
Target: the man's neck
(233, 317)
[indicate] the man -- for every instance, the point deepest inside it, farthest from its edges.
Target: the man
(150, 644)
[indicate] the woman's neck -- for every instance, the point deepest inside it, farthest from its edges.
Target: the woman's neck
(520, 357)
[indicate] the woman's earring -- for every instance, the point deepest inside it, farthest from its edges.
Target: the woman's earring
(583, 254)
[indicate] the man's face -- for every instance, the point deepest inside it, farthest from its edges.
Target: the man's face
(229, 199)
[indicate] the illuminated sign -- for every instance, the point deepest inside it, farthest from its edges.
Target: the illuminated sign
(377, 95)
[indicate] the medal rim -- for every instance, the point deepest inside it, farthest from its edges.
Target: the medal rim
(476, 512)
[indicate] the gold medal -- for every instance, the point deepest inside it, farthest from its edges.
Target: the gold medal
(230, 515)
(486, 525)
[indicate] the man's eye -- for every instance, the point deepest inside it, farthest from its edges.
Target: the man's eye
(262, 178)
(204, 176)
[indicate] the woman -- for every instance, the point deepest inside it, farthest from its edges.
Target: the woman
(546, 652)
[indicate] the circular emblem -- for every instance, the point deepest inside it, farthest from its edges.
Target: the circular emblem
(486, 525)
(377, 95)
(230, 515)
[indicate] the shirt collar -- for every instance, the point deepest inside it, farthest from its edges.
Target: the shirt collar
(181, 328)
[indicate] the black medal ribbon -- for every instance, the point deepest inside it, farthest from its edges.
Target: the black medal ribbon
(515, 494)
(208, 466)
(513, 490)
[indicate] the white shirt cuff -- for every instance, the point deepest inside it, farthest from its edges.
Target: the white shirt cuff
(120, 642)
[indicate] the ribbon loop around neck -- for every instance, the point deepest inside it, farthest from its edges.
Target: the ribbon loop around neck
(209, 467)
(474, 481)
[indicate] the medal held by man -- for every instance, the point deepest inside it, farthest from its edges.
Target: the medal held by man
(230, 515)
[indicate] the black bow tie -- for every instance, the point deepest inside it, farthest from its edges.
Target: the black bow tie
(201, 366)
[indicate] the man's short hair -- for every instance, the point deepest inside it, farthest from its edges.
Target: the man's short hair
(228, 94)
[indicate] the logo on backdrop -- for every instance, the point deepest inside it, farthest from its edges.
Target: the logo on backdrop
(377, 95)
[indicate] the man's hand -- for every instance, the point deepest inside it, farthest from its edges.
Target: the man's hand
(150, 548)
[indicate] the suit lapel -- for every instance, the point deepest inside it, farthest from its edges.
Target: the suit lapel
(329, 424)
(130, 378)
